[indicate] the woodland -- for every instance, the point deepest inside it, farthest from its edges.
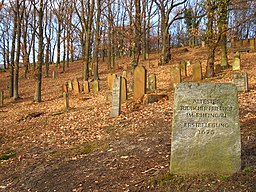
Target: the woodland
(45, 147)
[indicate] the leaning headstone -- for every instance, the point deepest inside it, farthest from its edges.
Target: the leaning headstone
(76, 86)
(70, 85)
(205, 129)
(66, 100)
(116, 97)
(175, 76)
(236, 62)
(95, 86)
(110, 78)
(151, 82)
(197, 71)
(183, 68)
(139, 82)
(1, 98)
(86, 87)
(124, 90)
(241, 81)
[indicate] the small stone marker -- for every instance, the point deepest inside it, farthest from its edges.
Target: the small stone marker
(66, 100)
(124, 74)
(236, 62)
(152, 82)
(53, 74)
(203, 44)
(95, 86)
(175, 76)
(205, 129)
(86, 87)
(65, 87)
(140, 76)
(197, 71)
(1, 98)
(241, 81)
(76, 86)
(252, 43)
(110, 78)
(70, 85)
(183, 68)
(124, 90)
(217, 68)
(116, 97)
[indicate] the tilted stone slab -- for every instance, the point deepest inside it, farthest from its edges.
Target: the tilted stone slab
(205, 129)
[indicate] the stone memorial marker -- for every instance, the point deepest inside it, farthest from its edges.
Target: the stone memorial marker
(217, 68)
(175, 76)
(252, 43)
(241, 81)
(110, 78)
(151, 82)
(124, 90)
(183, 68)
(66, 100)
(53, 74)
(70, 85)
(205, 129)
(116, 97)
(86, 87)
(76, 86)
(124, 74)
(95, 86)
(236, 62)
(197, 71)
(1, 98)
(140, 76)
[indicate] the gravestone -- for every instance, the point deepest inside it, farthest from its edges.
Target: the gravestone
(65, 87)
(205, 129)
(76, 86)
(124, 74)
(183, 68)
(95, 86)
(110, 78)
(236, 62)
(197, 71)
(86, 87)
(116, 97)
(70, 85)
(140, 76)
(124, 90)
(66, 100)
(241, 81)
(1, 98)
(203, 44)
(152, 82)
(175, 76)
(53, 74)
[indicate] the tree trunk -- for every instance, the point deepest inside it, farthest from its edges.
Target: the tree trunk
(210, 62)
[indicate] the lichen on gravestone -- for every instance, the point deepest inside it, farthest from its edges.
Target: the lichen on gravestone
(205, 129)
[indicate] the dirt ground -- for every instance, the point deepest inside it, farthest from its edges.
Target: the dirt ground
(45, 148)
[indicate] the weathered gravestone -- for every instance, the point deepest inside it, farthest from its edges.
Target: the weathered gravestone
(66, 100)
(236, 62)
(205, 129)
(1, 98)
(124, 74)
(76, 86)
(116, 97)
(53, 74)
(252, 43)
(140, 76)
(95, 86)
(124, 90)
(217, 68)
(175, 76)
(197, 71)
(86, 87)
(70, 85)
(241, 81)
(183, 68)
(110, 78)
(151, 82)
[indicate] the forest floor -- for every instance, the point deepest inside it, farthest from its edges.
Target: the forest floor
(45, 148)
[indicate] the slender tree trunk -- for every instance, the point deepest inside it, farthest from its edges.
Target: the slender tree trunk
(38, 93)
(58, 44)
